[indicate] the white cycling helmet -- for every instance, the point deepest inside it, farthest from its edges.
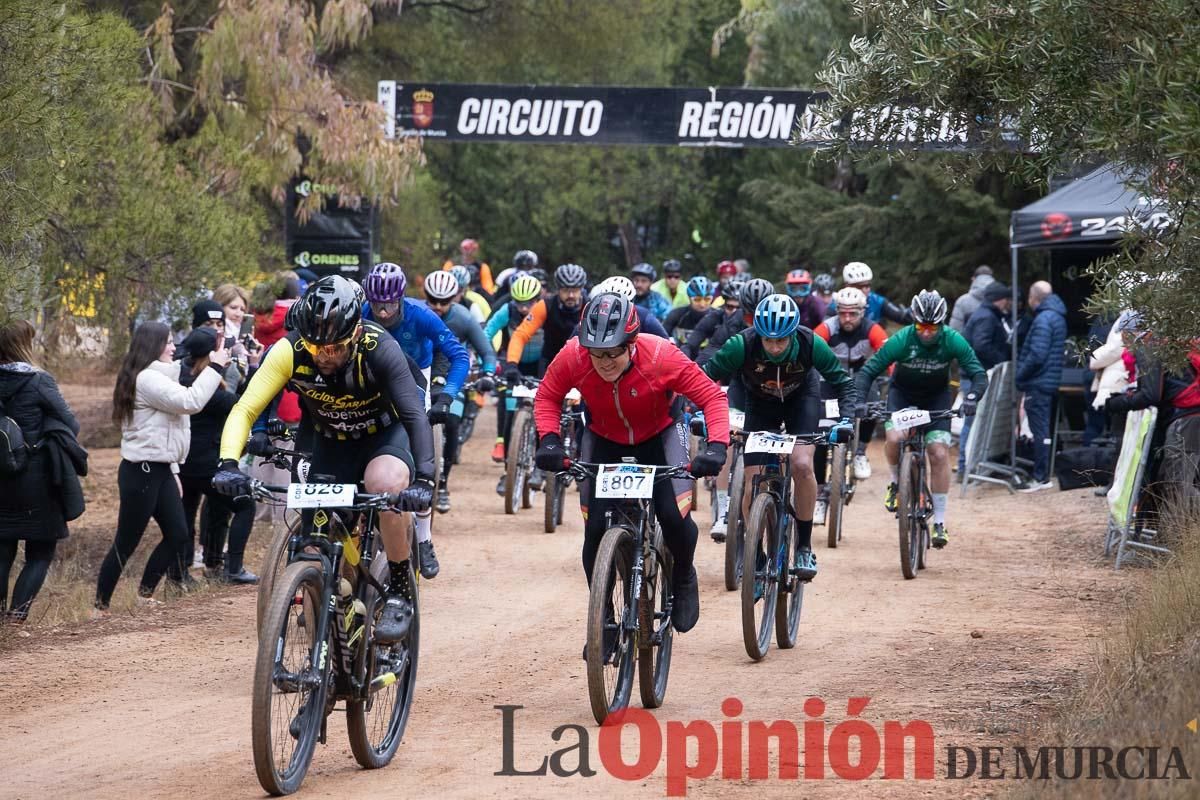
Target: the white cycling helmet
(504, 275)
(850, 299)
(441, 285)
(618, 284)
(856, 272)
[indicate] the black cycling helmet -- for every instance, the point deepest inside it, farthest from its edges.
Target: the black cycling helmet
(608, 320)
(644, 269)
(525, 260)
(672, 267)
(570, 276)
(329, 312)
(753, 292)
(732, 291)
(929, 307)
(540, 274)
(823, 282)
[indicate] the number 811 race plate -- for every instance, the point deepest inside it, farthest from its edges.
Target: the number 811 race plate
(625, 482)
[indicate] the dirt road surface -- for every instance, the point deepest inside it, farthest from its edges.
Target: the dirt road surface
(158, 705)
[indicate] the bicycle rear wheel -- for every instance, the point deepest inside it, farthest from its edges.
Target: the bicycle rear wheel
(289, 691)
(791, 589)
(907, 511)
(516, 475)
(654, 630)
(837, 483)
(551, 503)
(735, 534)
(760, 584)
(528, 442)
(610, 669)
(376, 723)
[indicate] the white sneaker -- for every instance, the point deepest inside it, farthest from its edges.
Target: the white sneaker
(862, 468)
(819, 510)
(721, 522)
(1037, 487)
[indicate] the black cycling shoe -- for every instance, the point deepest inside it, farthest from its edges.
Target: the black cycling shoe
(394, 624)
(296, 726)
(537, 479)
(686, 610)
(611, 637)
(429, 563)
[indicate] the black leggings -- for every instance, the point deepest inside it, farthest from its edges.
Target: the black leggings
(215, 524)
(450, 442)
(678, 530)
(38, 555)
(148, 491)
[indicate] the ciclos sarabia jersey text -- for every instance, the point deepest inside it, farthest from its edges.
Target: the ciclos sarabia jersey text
(375, 389)
(923, 370)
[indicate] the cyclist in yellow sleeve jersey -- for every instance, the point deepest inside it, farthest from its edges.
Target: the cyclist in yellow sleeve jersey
(356, 388)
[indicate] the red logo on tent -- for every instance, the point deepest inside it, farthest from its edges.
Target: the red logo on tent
(1056, 225)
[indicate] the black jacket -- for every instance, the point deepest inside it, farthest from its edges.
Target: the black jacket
(34, 504)
(204, 454)
(986, 334)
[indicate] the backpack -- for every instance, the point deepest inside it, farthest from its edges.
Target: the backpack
(1189, 397)
(14, 452)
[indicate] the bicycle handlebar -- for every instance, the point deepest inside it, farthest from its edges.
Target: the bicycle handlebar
(362, 500)
(581, 470)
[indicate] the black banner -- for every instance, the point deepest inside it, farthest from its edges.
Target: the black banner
(336, 240)
(711, 117)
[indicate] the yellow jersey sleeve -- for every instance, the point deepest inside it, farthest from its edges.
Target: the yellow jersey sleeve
(272, 375)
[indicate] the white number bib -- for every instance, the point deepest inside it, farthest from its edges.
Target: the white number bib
(831, 409)
(907, 418)
(625, 482)
(737, 419)
(523, 392)
(774, 443)
(320, 495)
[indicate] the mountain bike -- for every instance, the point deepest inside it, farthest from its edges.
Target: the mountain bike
(317, 645)
(556, 487)
(842, 481)
(735, 532)
(522, 445)
(296, 463)
(914, 506)
(630, 599)
(772, 592)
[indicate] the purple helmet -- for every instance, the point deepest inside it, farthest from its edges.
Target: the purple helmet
(385, 283)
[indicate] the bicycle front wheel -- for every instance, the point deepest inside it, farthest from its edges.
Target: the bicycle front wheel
(611, 647)
(760, 584)
(735, 533)
(552, 500)
(654, 630)
(516, 476)
(289, 690)
(376, 723)
(274, 563)
(908, 510)
(528, 448)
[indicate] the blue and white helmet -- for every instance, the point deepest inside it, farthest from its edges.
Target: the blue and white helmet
(699, 286)
(776, 317)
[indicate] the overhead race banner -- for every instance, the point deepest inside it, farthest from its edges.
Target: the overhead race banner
(685, 117)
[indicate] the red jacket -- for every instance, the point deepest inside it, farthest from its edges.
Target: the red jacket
(269, 329)
(637, 407)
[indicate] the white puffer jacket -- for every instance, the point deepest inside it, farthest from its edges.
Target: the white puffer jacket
(1111, 375)
(160, 431)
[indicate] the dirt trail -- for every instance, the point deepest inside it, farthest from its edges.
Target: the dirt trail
(159, 705)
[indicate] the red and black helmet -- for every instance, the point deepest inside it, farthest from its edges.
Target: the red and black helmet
(726, 268)
(609, 320)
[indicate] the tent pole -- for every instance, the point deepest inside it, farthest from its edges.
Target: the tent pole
(1014, 419)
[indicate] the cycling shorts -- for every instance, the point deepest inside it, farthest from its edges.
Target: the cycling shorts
(938, 431)
(346, 461)
(799, 415)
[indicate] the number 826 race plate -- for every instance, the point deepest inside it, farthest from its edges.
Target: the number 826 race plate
(320, 495)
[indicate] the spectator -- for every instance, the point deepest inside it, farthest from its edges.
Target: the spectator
(1039, 372)
(244, 349)
(965, 305)
(36, 503)
(987, 331)
(152, 410)
(1109, 371)
(270, 302)
(196, 473)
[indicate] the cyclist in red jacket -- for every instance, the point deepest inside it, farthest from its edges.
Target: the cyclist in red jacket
(629, 384)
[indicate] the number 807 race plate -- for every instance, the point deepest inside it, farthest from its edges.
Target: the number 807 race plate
(625, 482)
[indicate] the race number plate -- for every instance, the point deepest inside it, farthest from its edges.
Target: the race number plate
(320, 495)
(831, 409)
(625, 482)
(774, 443)
(907, 418)
(523, 392)
(737, 419)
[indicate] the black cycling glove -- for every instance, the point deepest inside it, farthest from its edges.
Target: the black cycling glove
(709, 462)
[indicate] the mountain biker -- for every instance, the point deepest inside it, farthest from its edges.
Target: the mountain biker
(680, 323)
(799, 288)
(481, 274)
(859, 275)
(922, 353)
(726, 270)
(629, 382)
(420, 334)
(619, 284)
(823, 287)
(669, 285)
(643, 276)
(468, 298)
(441, 293)
(556, 317)
(523, 292)
(363, 402)
(853, 341)
(523, 262)
(720, 324)
(778, 361)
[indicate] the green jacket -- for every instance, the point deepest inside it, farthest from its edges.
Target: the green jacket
(681, 295)
(793, 374)
(923, 370)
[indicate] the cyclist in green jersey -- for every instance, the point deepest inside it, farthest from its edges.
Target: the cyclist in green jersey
(922, 353)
